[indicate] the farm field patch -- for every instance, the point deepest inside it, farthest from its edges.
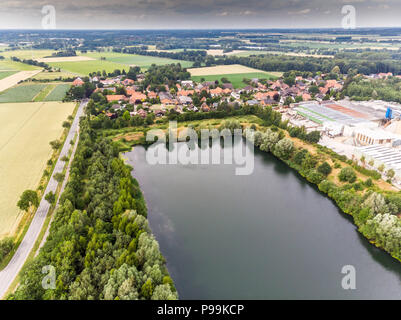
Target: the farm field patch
(8, 65)
(14, 79)
(86, 67)
(21, 93)
(44, 92)
(54, 75)
(138, 60)
(220, 52)
(237, 78)
(27, 54)
(219, 70)
(24, 151)
(65, 59)
(58, 92)
(5, 74)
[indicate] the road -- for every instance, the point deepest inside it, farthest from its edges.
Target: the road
(9, 273)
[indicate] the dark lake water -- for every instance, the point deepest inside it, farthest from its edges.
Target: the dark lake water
(268, 235)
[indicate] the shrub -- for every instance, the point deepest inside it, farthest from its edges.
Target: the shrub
(315, 177)
(59, 177)
(347, 175)
(283, 149)
(313, 137)
(358, 186)
(55, 144)
(326, 186)
(309, 162)
(368, 182)
(324, 168)
(300, 156)
(6, 245)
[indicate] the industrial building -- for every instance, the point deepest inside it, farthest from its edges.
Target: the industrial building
(371, 129)
(382, 155)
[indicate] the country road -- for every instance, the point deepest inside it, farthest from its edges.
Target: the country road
(9, 273)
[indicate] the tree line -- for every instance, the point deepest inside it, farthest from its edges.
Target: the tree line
(373, 210)
(99, 243)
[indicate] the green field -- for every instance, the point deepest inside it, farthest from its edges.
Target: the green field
(236, 78)
(54, 75)
(43, 94)
(138, 60)
(58, 93)
(27, 54)
(86, 67)
(5, 74)
(249, 53)
(21, 93)
(8, 65)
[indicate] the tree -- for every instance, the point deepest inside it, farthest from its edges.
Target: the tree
(55, 144)
(163, 292)
(147, 289)
(269, 139)
(347, 175)
(298, 99)
(283, 149)
(381, 168)
(368, 182)
(59, 177)
(313, 89)
(390, 174)
(299, 156)
(288, 101)
(66, 124)
(313, 137)
(336, 70)
(126, 115)
(28, 199)
(324, 168)
(6, 245)
(149, 118)
(376, 203)
(290, 80)
(50, 197)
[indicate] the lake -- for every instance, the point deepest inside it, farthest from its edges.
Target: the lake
(268, 235)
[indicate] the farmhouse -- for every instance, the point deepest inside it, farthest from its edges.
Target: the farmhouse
(77, 82)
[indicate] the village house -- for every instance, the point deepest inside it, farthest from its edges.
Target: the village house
(159, 113)
(185, 100)
(116, 97)
(187, 83)
(128, 82)
(117, 107)
(205, 107)
(185, 92)
(228, 86)
(77, 82)
(216, 92)
(136, 97)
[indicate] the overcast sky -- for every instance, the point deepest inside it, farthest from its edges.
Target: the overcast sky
(198, 14)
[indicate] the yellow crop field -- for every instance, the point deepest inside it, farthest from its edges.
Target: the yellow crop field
(224, 69)
(25, 132)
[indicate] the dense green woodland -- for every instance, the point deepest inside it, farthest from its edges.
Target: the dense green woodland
(100, 243)
(366, 63)
(387, 90)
